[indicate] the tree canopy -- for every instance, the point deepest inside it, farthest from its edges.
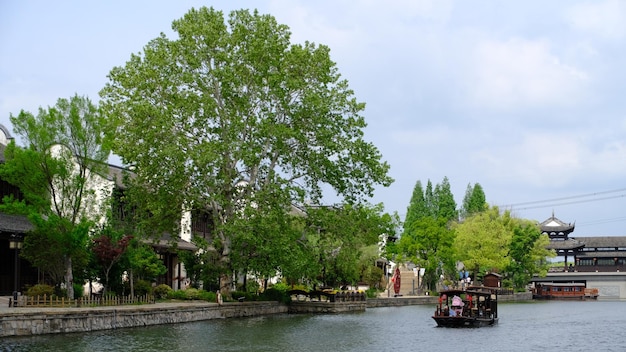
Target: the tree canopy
(495, 241)
(229, 114)
(474, 200)
(65, 148)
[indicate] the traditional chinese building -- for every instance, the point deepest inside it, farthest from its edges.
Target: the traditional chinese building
(587, 254)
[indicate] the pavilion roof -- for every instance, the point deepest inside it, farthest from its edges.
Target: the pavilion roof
(555, 225)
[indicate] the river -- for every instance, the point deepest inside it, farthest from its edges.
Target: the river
(528, 326)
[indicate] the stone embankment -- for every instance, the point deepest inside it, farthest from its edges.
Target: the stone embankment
(38, 321)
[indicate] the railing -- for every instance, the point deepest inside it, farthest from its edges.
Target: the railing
(589, 268)
(321, 296)
(93, 301)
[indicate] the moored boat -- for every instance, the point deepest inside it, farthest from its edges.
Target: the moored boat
(564, 290)
(473, 307)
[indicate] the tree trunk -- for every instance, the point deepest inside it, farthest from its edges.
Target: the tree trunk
(69, 277)
(132, 283)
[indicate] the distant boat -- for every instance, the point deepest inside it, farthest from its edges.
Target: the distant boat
(561, 290)
(472, 308)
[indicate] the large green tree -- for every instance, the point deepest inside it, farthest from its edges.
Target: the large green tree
(228, 112)
(65, 148)
(428, 243)
(496, 241)
(427, 237)
(482, 241)
(336, 238)
(528, 253)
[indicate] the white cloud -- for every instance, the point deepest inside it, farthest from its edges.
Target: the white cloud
(606, 19)
(520, 73)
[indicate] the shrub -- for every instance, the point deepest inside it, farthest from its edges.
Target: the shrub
(281, 286)
(79, 290)
(142, 287)
(162, 291)
(208, 296)
(40, 290)
(192, 293)
(274, 294)
(371, 293)
(238, 295)
(177, 295)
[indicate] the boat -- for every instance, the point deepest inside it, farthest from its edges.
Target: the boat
(473, 307)
(564, 290)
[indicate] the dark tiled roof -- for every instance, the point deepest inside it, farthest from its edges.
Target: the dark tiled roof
(600, 254)
(165, 242)
(565, 244)
(603, 241)
(552, 224)
(14, 223)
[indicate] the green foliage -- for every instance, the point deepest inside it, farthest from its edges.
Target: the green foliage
(426, 239)
(371, 293)
(527, 253)
(65, 148)
(144, 261)
(494, 241)
(78, 290)
(474, 201)
(334, 240)
(246, 104)
(372, 276)
(142, 287)
(275, 294)
(444, 200)
(429, 244)
(40, 290)
(483, 240)
(162, 291)
(192, 293)
(208, 296)
(56, 243)
(417, 208)
(179, 295)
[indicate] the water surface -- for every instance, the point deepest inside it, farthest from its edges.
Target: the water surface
(529, 326)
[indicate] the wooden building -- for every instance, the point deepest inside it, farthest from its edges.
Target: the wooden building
(585, 254)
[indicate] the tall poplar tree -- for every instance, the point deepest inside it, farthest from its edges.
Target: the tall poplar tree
(417, 208)
(445, 204)
(228, 114)
(474, 200)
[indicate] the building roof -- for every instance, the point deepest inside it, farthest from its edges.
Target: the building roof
(15, 223)
(600, 254)
(569, 243)
(166, 243)
(552, 225)
(603, 241)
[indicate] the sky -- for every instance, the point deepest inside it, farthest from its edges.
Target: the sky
(524, 98)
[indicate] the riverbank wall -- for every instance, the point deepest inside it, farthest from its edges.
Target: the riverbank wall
(32, 321)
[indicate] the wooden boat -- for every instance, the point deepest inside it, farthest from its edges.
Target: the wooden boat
(560, 290)
(473, 307)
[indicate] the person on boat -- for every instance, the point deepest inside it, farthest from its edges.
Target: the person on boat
(457, 306)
